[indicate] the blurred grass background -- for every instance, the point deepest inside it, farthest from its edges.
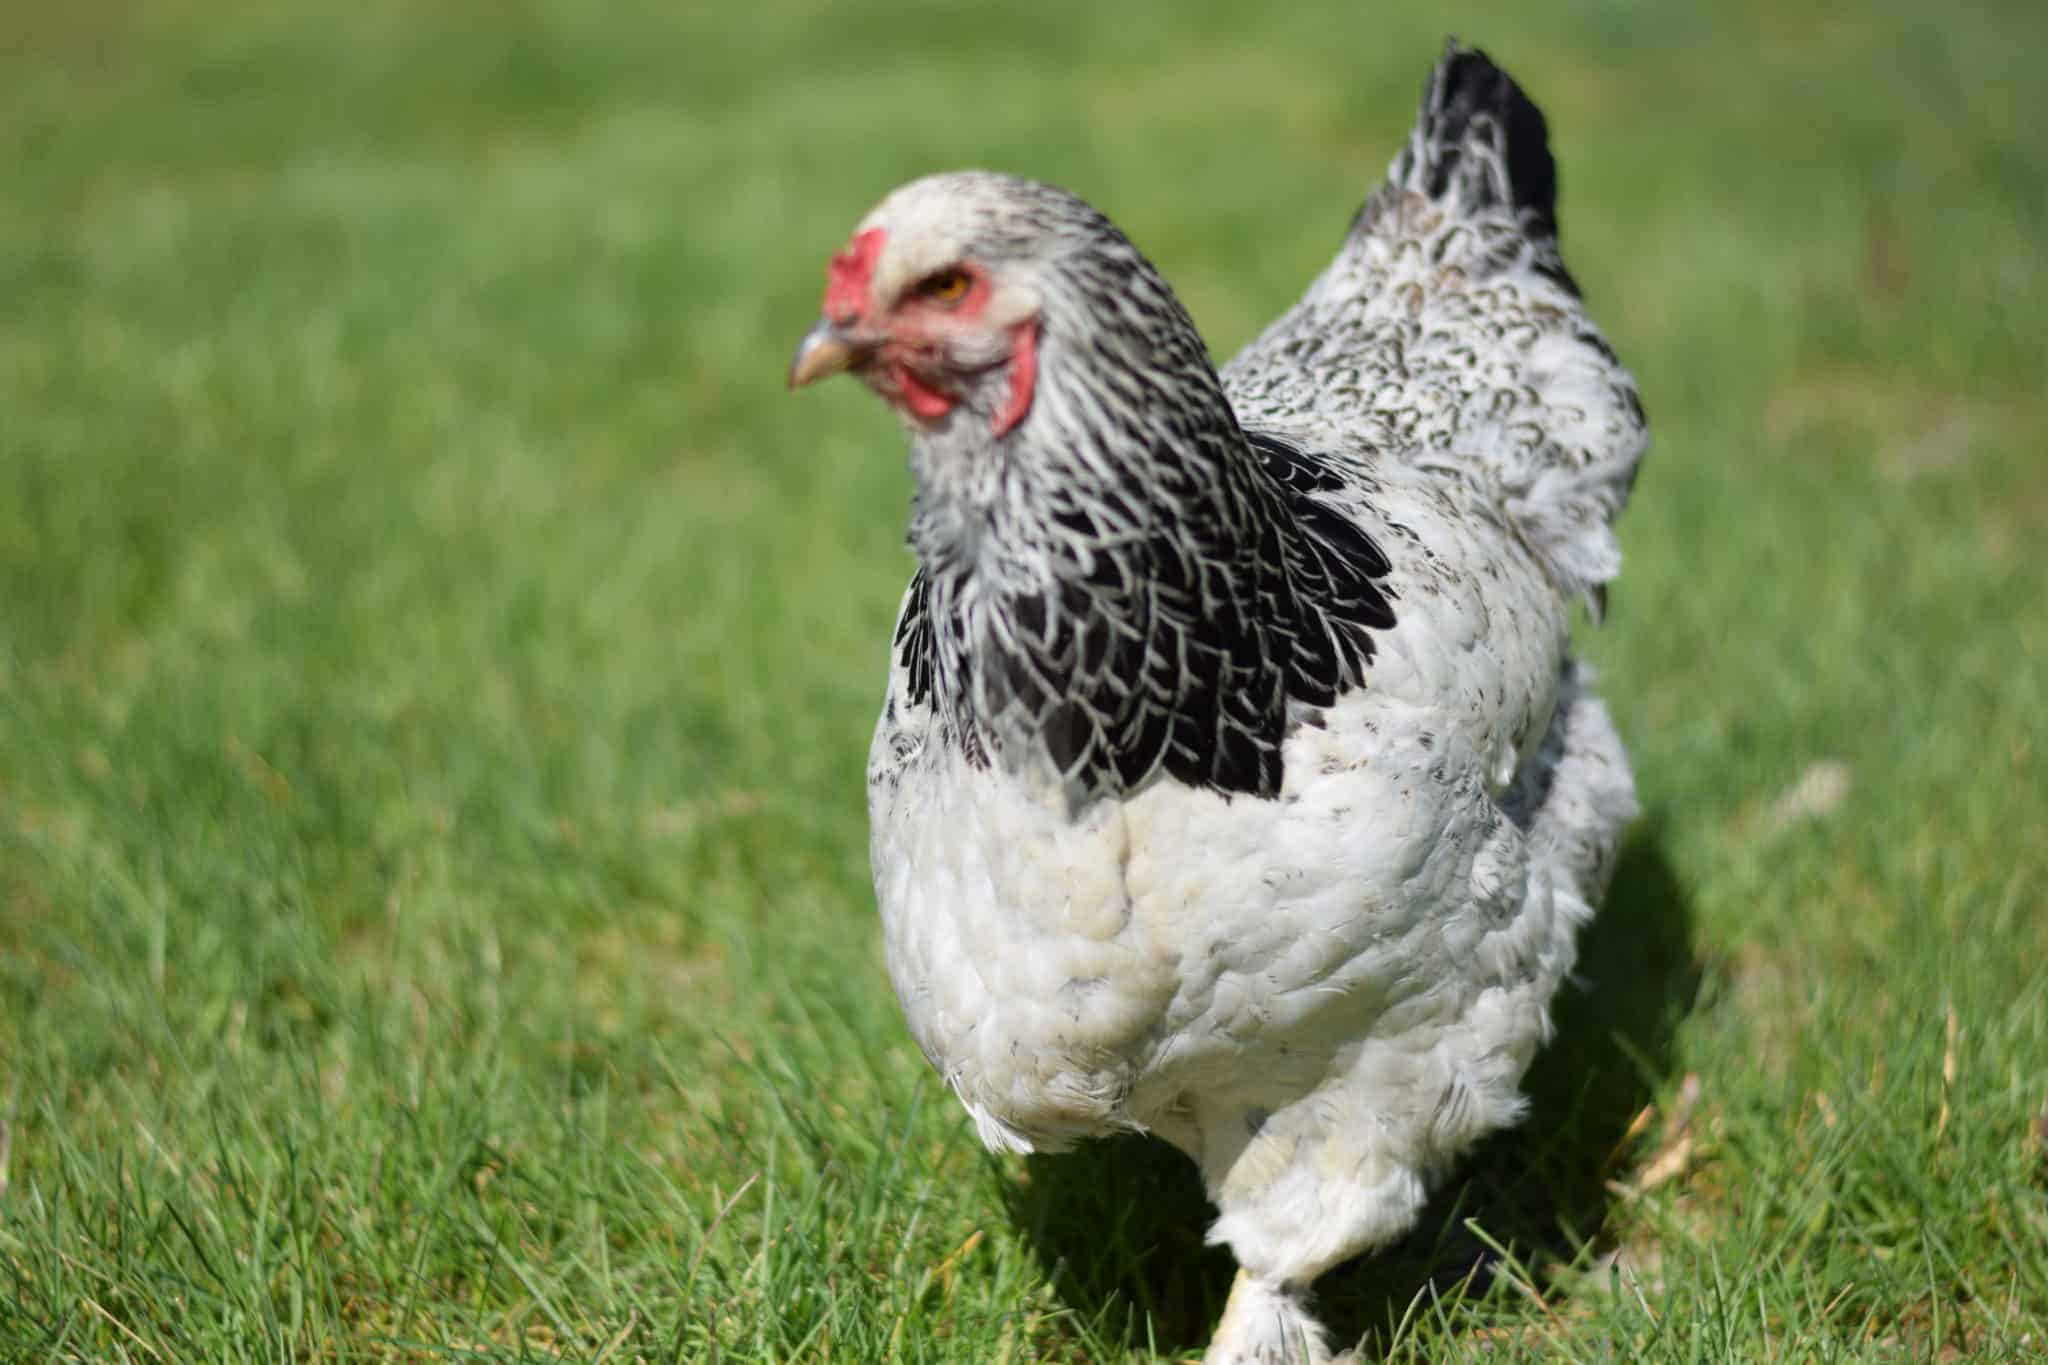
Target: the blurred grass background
(436, 662)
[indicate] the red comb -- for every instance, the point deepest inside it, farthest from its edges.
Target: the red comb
(846, 289)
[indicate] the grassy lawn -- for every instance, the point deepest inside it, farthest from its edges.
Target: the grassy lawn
(437, 660)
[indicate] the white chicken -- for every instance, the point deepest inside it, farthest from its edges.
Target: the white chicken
(1235, 781)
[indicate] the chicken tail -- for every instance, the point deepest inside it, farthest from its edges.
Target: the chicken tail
(1481, 145)
(1448, 332)
(1474, 195)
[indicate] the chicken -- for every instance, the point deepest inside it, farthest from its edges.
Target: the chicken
(1235, 781)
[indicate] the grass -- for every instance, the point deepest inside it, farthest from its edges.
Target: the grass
(436, 662)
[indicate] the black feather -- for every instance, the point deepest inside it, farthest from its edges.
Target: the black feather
(1483, 143)
(1166, 658)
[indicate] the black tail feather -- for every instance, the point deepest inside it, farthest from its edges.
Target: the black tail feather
(1482, 144)
(1465, 87)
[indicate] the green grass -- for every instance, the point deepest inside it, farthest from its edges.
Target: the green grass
(436, 662)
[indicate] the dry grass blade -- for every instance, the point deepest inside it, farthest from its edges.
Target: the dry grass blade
(119, 1325)
(1948, 1071)
(1675, 1143)
(619, 1337)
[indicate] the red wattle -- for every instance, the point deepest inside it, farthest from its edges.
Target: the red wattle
(922, 399)
(1023, 375)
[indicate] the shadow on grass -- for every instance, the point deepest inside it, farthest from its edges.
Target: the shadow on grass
(1118, 1224)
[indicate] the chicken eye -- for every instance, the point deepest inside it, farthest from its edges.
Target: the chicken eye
(948, 286)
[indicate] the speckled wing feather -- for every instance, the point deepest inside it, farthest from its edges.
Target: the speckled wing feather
(1448, 333)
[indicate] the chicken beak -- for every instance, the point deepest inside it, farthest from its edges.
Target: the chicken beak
(824, 351)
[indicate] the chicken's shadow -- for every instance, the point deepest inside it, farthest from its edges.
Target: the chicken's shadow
(1117, 1225)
